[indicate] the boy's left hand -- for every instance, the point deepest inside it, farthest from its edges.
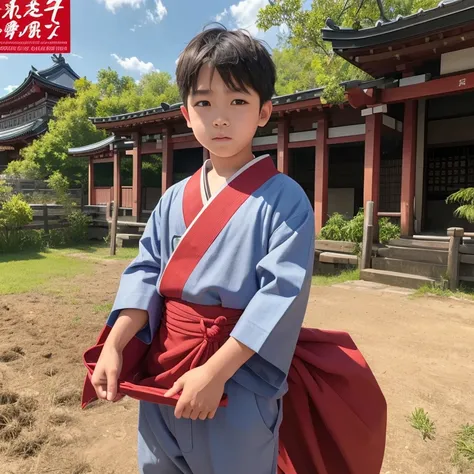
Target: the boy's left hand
(201, 394)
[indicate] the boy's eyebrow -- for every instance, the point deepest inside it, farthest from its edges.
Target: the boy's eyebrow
(202, 92)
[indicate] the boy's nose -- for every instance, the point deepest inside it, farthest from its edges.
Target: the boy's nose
(220, 122)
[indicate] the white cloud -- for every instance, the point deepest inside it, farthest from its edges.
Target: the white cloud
(10, 89)
(3, 58)
(245, 14)
(156, 15)
(220, 16)
(113, 5)
(134, 64)
(76, 55)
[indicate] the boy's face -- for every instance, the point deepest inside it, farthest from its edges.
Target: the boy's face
(224, 121)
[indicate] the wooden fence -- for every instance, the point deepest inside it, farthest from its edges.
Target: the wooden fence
(460, 258)
(52, 216)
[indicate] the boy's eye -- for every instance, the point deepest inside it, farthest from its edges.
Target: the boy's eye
(239, 102)
(202, 103)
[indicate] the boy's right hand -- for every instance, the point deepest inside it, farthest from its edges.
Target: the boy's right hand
(106, 373)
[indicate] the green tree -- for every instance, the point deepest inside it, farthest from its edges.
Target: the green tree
(71, 127)
(304, 33)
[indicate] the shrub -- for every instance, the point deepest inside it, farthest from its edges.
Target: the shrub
(339, 228)
(388, 230)
(79, 226)
(354, 229)
(21, 240)
(334, 228)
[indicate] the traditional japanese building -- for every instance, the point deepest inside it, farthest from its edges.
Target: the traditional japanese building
(25, 112)
(403, 140)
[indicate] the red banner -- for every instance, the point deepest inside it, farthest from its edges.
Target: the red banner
(35, 26)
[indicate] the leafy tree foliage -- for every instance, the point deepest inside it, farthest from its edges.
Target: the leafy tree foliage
(311, 60)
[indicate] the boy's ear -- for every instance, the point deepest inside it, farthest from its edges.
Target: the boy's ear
(265, 113)
(185, 113)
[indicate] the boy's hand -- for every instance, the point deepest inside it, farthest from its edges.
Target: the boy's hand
(201, 394)
(106, 373)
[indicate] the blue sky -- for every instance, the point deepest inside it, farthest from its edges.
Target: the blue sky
(134, 36)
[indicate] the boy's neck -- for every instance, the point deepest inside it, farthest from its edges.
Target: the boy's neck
(227, 167)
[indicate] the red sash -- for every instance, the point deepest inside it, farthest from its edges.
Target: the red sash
(334, 418)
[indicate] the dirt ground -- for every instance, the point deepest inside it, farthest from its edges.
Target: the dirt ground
(421, 350)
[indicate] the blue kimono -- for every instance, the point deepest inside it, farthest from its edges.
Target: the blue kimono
(261, 263)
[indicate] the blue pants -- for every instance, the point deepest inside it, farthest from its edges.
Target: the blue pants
(241, 439)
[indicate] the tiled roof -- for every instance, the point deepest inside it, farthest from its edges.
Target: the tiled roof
(31, 128)
(448, 13)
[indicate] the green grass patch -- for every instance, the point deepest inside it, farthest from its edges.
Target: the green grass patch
(100, 250)
(421, 421)
(464, 443)
(463, 292)
(20, 273)
(327, 280)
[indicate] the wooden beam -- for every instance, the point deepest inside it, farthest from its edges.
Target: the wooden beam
(136, 175)
(434, 88)
(167, 161)
(282, 145)
(302, 144)
(90, 190)
(373, 134)
(358, 97)
(304, 104)
(150, 148)
(321, 176)
(408, 169)
(416, 49)
(185, 145)
(350, 139)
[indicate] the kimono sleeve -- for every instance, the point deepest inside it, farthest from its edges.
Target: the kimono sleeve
(138, 283)
(271, 322)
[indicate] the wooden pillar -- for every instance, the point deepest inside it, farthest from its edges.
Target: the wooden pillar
(408, 169)
(321, 176)
(282, 145)
(117, 181)
(420, 164)
(167, 161)
(91, 189)
(117, 194)
(137, 175)
(454, 258)
(373, 136)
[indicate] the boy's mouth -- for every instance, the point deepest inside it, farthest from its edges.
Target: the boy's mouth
(222, 139)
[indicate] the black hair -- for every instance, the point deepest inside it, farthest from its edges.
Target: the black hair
(242, 61)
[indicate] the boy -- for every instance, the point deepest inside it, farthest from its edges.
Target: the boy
(218, 292)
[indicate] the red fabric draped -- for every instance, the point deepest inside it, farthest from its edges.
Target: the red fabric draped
(334, 414)
(188, 336)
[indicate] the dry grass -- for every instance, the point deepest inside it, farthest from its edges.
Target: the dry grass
(66, 397)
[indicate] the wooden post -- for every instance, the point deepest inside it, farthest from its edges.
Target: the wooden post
(167, 161)
(455, 236)
(113, 230)
(117, 192)
(373, 135)
(136, 175)
(407, 201)
(321, 175)
(45, 219)
(91, 191)
(282, 145)
(368, 237)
